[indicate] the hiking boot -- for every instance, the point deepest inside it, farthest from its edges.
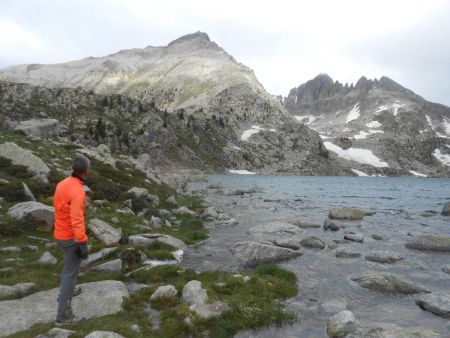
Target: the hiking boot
(73, 320)
(76, 291)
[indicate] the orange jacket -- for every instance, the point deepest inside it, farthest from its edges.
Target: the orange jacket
(69, 202)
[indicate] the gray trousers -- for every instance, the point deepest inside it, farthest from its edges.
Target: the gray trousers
(69, 276)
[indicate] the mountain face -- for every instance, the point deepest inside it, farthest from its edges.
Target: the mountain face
(375, 127)
(186, 104)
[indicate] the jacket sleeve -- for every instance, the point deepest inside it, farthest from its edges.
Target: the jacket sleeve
(77, 217)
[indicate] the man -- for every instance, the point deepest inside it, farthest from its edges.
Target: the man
(70, 234)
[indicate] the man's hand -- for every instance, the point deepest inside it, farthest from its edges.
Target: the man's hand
(82, 250)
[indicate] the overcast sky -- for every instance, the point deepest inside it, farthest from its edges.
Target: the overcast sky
(285, 42)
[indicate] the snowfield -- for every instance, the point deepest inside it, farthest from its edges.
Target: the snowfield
(364, 156)
(254, 130)
(374, 124)
(359, 173)
(415, 173)
(354, 113)
(362, 134)
(241, 172)
(443, 158)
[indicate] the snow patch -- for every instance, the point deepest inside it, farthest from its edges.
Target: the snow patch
(354, 113)
(236, 147)
(415, 173)
(249, 132)
(362, 134)
(446, 124)
(443, 158)
(359, 173)
(396, 106)
(364, 156)
(306, 119)
(374, 124)
(324, 137)
(241, 172)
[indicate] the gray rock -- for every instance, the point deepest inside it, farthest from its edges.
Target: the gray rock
(208, 311)
(345, 213)
(47, 258)
(393, 331)
(210, 212)
(251, 253)
(446, 209)
(168, 291)
(193, 293)
(33, 214)
(436, 302)
(429, 243)
(103, 334)
(20, 156)
(96, 256)
(134, 288)
(147, 239)
(143, 162)
(344, 252)
(141, 198)
(97, 299)
(330, 225)
(155, 222)
(305, 225)
(383, 257)
(105, 232)
(341, 324)
(111, 266)
(446, 269)
(389, 283)
(274, 230)
(41, 128)
(135, 328)
(184, 210)
(290, 243)
(15, 290)
(377, 237)
(27, 193)
(312, 242)
(10, 249)
(354, 237)
(57, 332)
(172, 200)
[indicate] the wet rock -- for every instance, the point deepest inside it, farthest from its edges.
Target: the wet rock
(312, 242)
(193, 293)
(97, 299)
(290, 243)
(332, 245)
(341, 324)
(354, 237)
(330, 225)
(15, 290)
(377, 237)
(305, 225)
(103, 334)
(334, 305)
(167, 291)
(20, 156)
(344, 252)
(210, 213)
(429, 243)
(389, 283)
(47, 258)
(105, 232)
(446, 209)
(345, 213)
(252, 253)
(33, 214)
(111, 266)
(383, 257)
(208, 311)
(446, 269)
(436, 302)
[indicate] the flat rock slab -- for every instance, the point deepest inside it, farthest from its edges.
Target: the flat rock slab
(383, 257)
(148, 239)
(274, 228)
(97, 299)
(429, 243)
(436, 302)
(105, 232)
(389, 283)
(252, 253)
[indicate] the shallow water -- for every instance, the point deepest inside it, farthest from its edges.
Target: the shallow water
(324, 280)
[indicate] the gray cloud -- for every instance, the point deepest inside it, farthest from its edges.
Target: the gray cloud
(285, 42)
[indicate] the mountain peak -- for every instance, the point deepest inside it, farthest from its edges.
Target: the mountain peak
(193, 36)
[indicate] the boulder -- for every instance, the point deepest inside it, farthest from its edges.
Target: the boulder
(16, 289)
(344, 252)
(105, 232)
(147, 239)
(47, 258)
(252, 253)
(114, 265)
(172, 200)
(167, 291)
(377, 237)
(312, 242)
(330, 225)
(141, 198)
(41, 128)
(193, 293)
(354, 237)
(383, 257)
(155, 222)
(103, 334)
(436, 302)
(209, 213)
(341, 324)
(389, 283)
(346, 213)
(57, 332)
(97, 299)
(143, 162)
(429, 243)
(24, 157)
(446, 209)
(184, 210)
(207, 311)
(33, 214)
